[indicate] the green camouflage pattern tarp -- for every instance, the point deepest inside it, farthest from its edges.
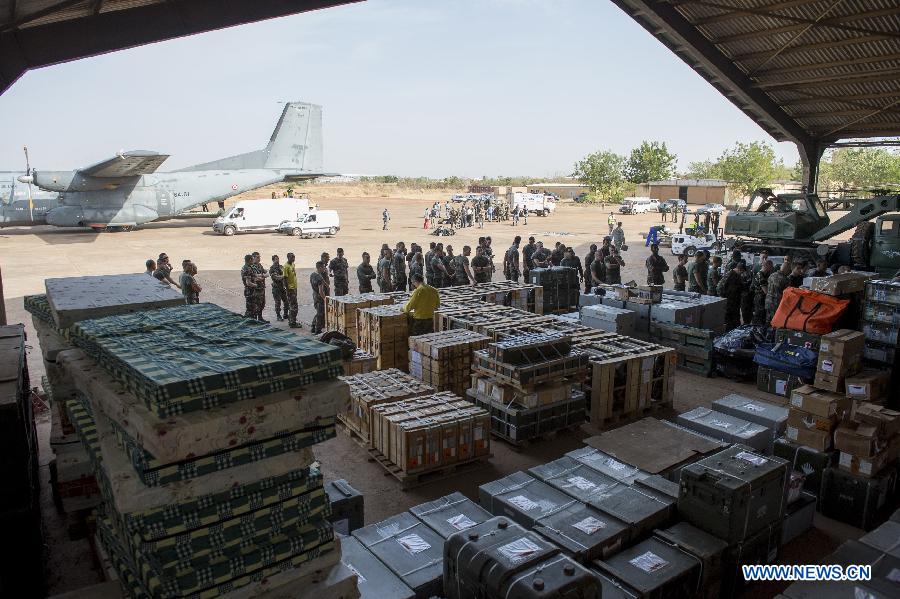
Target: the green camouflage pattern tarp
(154, 473)
(200, 352)
(226, 539)
(83, 423)
(39, 306)
(134, 586)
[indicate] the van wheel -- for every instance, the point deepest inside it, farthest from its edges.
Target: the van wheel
(546, 212)
(228, 231)
(296, 232)
(689, 251)
(332, 231)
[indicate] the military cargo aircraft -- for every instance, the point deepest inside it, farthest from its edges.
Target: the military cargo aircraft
(126, 191)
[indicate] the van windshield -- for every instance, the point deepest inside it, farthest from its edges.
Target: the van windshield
(235, 212)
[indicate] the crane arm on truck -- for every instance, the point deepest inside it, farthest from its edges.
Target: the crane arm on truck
(862, 211)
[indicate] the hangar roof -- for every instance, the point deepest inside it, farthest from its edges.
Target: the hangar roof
(37, 33)
(809, 71)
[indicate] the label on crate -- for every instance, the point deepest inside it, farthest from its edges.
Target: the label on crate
(781, 387)
(414, 544)
(856, 389)
(752, 458)
(894, 575)
(617, 466)
(754, 408)
(827, 366)
(791, 433)
(523, 503)
(720, 423)
(519, 550)
(581, 483)
(389, 530)
(649, 562)
(461, 522)
(590, 525)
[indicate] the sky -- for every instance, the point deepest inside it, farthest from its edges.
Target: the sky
(412, 88)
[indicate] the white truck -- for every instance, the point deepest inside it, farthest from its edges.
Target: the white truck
(260, 215)
(313, 224)
(537, 203)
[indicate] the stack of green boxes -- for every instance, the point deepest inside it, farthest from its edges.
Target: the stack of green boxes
(200, 426)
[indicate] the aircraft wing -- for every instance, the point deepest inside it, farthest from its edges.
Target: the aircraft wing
(126, 164)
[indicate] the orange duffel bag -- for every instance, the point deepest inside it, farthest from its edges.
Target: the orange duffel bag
(808, 311)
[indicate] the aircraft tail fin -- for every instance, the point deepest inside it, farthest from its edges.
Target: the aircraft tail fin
(295, 145)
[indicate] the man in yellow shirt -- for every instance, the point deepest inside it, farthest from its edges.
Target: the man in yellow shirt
(421, 306)
(290, 291)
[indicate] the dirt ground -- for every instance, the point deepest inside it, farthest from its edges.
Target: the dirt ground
(29, 255)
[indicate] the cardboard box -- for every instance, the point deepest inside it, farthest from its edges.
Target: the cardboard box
(868, 385)
(829, 382)
(886, 421)
(849, 282)
(842, 342)
(857, 439)
(805, 420)
(777, 382)
(814, 438)
(865, 466)
(819, 403)
(845, 365)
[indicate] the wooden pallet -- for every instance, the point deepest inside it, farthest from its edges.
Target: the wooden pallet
(522, 445)
(351, 430)
(417, 479)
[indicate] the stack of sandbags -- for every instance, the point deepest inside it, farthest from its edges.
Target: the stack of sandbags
(203, 424)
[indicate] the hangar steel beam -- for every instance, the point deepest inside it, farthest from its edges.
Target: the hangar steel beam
(31, 47)
(665, 23)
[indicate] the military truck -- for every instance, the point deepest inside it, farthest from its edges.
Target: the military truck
(797, 224)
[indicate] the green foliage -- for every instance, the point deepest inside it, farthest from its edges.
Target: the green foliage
(603, 173)
(705, 169)
(747, 167)
(859, 168)
(651, 161)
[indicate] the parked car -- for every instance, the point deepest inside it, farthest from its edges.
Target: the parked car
(639, 205)
(314, 224)
(712, 208)
(673, 203)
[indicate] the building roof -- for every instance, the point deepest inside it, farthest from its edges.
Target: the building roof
(37, 33)
(690, 182)
(808, 71)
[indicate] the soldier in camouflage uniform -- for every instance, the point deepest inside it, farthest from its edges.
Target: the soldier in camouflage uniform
(714, 275)
(259, 294)
(438, 268)
(461, 273)
(276, 273)
(449, 273)
(656, 265)
(759, 288)
(383, 276)
(320, 290)
(365, 273)
(511, 260)
(416, 266)
(398, 267)
(778, 281)
(340, 271)
(680, 274)
(730, 287)
(697, 274)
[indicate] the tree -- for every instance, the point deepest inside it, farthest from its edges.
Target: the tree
(705, 169)
(651, 161)
(747, 167)
(859, 168)
(602, 172)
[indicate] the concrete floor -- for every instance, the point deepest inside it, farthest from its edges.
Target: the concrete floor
(70, 563)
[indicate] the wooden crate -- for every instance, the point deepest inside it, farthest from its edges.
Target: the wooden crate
(384, 333)
(341, 311)
(444, 359)
(496, 390)
(430, 432)
(375, 388)
(628, 376)
(527, 376)
(362, 362)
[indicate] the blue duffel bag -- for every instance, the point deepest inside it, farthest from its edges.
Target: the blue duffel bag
(792, 359)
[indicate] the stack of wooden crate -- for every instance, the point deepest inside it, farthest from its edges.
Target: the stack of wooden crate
(341, 311)
(526, 381)
(428, 434)
(384, 333)
(629, 379)
(444, 359)
(374, 388)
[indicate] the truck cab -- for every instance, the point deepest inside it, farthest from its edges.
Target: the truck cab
(885, 254)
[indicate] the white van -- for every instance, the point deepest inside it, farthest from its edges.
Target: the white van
(537, 203)
(639, 205)
(313, 224)
(260, 215)
(688, 245)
